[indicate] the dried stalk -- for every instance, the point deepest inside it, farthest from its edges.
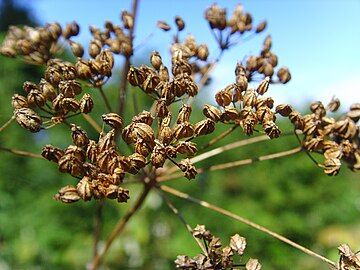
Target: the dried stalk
(234, 164)
(180, 216)
(119, 227)
(92, 122)
(126, 66)
(218, 138)
(247, 222)
(107, 104)
(7, 123)
(20, 152)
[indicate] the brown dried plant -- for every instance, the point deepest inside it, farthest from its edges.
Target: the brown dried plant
(161, 139)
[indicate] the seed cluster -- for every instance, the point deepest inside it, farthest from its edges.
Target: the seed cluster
(217, 256)
(336, 139)
(55, 96)
(99, 165)
(348, 259)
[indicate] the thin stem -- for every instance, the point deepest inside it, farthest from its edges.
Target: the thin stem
(7, 123)
(182, 219)
(126, 66)
(107, 104)
(20, 152)
(218, 138)
(221, 150)
(97, 227)
(234, 164)
(247, 222)
(92, 122)
(119, 227)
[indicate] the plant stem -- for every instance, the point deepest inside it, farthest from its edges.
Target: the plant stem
(7, 123)
(126, 66)
(234, 163)
(247, 222)
(182, 219)
(107, 104)
(92, 122)
(20, 152)
(218, 138)
(119, 227)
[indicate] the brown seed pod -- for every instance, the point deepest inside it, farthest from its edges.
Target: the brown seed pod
(83, 69)
(313, 144)
(92, 151)
(127, 134)
(76, 48)
(127, 19)
(212, 112)
(86, 103)
(318, 108)
(70, 164)
(70, 104)
(48, 91)
(143, 117)
(19, 101)
(67, 194)
(155, 60)
(284, 75)
(332, 166)
(71, 29)
(184, 114)
(179, 23)
(35, 98)
(163, 25)
(84, 189)
(70, 88)
(52, 153)
(137, 161)
(135, 76)
(284, 110)
(333, 105)
(188, 148)
(94, 47)
(271, 129)
(158, 156)
(166, 135)
(261, 27)
(143, 131)
(223, 98)
(122, 194)
(263, 86)
(229, 114)
(183, 130)
(297, 120)
(79, 136)
(28, 119)
(142, 148)
(204, 127)
(113, 120)
(202, 52)
(188, 168)
(161, 108)
(249, 98)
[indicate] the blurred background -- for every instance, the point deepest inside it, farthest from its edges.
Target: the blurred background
(317, 40)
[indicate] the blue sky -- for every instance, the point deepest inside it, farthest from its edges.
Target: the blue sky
(318, 40)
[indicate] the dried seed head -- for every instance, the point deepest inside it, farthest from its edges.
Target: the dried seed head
(318, 108)
(52, 153)
(86, 103)
(47, 89)
(242, 82)
(354, 112)
(155, 60)
(142, 148)
(28, 119)
(253, 264)
(223, 98)
(200, 232)
(79, 136)
(143, 131)
(166, 135)
(179, 23)
(127, 19)
(92, 151)
(137, 161)
(163, 25)
(261, 27)
(113, 120)
(238, 244)
(284, 110)
(212, 112)
(188, 148)
(297, 120)
(135, 76)
(35, 98)
(263, 86)
(127, 134)
(202, 52)
(332, 166)
(71, 29)
(204, 127)
(123, 194)
(67, 194)
(333, 105)
(183, 130)
(143, 117)
(249, 98)
(76, 48)
(84, 189)
(271, 129)
(94, 47)
(188, 168)
(106, 141)
(18, 102)
(284, 75)
(184, 114)
(70, 88)
(158, 156)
